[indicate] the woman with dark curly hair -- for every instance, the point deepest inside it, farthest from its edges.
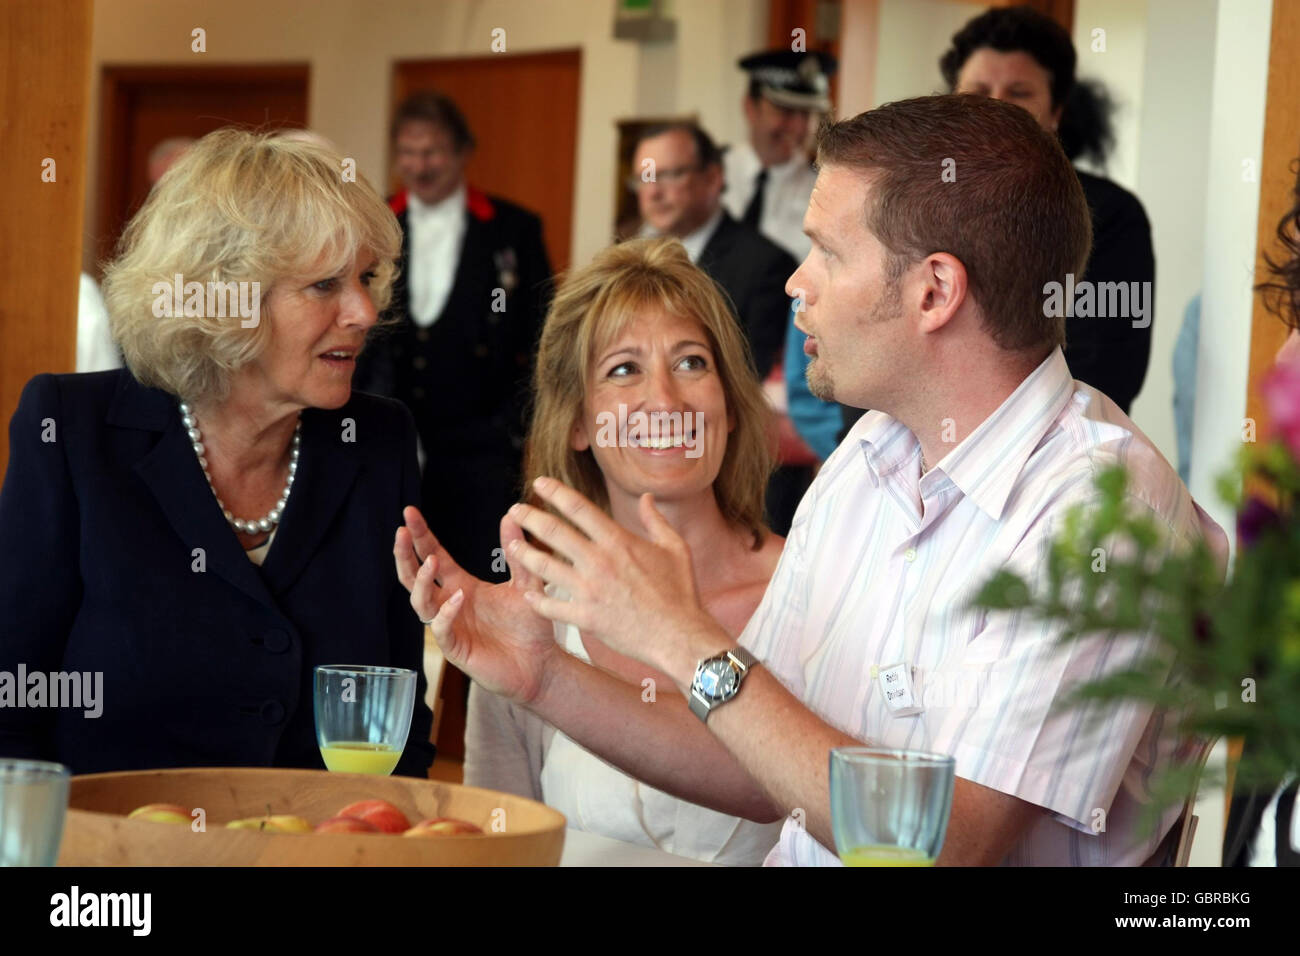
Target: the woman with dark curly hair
(1263, 826)
(1019, 55)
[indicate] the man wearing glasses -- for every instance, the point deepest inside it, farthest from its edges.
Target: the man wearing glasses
(677, 177)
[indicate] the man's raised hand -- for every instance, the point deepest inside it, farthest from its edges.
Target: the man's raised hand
(489, 631)
(637, 596)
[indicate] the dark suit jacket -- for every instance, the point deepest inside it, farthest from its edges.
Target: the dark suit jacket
(114, 558)
(753, 271)
(466, 378)
(1109, 353)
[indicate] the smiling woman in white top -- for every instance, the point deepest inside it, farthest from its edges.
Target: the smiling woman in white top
(643, 384)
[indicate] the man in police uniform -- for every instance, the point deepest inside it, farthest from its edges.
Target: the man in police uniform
(468, 306)
(769, 181)
(769, 177)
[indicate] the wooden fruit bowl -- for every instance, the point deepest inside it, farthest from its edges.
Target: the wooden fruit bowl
(97, 832)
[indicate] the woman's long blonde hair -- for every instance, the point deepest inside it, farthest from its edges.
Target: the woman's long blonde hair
(593, 305)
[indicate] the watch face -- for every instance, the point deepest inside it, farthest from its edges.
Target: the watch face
(717, 680)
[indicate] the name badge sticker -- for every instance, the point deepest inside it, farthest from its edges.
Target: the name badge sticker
(900, 686)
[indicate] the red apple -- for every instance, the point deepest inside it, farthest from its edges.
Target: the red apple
(381, 813)
(441, 826)
(346, 825)
(161, 813)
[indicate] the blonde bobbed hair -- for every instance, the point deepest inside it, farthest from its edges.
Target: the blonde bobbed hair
(238, 207)
(591, 308)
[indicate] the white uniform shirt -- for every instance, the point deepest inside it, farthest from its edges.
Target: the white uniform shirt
(880, 565)
(435, 236)
(694, 242)
(785, 198)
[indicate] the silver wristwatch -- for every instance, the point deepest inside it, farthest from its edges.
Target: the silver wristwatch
(717, 680)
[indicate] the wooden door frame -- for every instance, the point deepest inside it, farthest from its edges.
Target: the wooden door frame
(44, 88)
(117, 82)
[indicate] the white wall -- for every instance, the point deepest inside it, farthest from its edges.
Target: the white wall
(1171, 136)
(351, 46)
(1120, 67)
(913, 35)
(1240, 83)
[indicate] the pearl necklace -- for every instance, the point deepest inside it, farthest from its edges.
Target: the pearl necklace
(253, 525)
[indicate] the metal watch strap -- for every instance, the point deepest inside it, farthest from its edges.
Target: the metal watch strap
(739, 658)
(742, 657)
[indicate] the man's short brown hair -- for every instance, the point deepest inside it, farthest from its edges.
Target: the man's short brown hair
(980, 180)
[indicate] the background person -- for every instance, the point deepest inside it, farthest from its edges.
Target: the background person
(1263, 827)
(467, 307)
(769, 178)
(1021, 56)
(923, 306)
(641, 329)
(199, 526)
(683, 199)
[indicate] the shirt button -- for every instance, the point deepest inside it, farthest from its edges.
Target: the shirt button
(419, 362)
(417, 392)
(272, 712)
(909, 554)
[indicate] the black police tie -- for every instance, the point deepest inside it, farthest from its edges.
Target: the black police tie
(754, 211)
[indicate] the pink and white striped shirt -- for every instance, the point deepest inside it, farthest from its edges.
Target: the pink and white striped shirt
(880, 566)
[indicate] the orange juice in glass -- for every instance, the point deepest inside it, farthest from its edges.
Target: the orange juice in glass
(363, 716)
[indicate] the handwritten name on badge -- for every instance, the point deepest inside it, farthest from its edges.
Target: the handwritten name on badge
(898, 685)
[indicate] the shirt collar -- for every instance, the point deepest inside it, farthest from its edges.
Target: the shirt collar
(694, 241)
(442, 209)
(748, 164)
(697, 240)
(988, 461)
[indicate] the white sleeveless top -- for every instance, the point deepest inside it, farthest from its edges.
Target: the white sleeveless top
(598, 798)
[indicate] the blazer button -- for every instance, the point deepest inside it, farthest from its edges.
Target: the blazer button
(481, 351)
(272, 712)
(419, 362)
(422, 335)
(276, 641)
(417, 392)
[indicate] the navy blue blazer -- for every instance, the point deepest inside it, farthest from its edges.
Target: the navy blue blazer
(114, 558)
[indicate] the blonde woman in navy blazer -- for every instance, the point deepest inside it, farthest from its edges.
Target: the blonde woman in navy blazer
(186, 538)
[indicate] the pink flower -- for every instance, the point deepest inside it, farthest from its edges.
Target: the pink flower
(1281, 390)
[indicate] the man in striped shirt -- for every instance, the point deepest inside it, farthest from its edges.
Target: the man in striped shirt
(936, 225)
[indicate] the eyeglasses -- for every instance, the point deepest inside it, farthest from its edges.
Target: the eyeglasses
(669, 177)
